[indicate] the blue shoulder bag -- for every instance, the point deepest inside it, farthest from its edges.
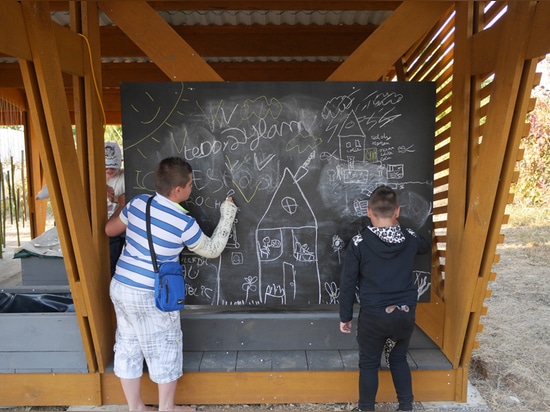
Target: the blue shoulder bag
(169, 279)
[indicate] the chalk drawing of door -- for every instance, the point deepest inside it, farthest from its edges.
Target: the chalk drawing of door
(286, 246)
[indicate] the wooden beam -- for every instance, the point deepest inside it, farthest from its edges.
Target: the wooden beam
(458, 162)
(494, 237)
(35, 180)
(92, 154)
(11, 20)
(115, 73)
(539, 43)
(16, 44)
(43, 141)
(159, 41)
(49, 107)
(410, 21)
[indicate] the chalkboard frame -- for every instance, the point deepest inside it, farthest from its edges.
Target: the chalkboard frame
(295, 144)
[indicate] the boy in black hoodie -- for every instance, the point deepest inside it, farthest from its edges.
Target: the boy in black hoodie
(379, 261)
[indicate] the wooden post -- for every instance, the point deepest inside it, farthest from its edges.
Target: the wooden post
(23, 191)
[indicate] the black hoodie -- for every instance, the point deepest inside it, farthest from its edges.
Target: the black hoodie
(383, 271)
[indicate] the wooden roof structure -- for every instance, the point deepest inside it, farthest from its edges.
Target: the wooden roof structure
(482, 56)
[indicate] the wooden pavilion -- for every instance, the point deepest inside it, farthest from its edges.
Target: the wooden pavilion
(61, 64)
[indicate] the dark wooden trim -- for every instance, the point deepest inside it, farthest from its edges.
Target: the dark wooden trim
(263, 5)
(251, 41)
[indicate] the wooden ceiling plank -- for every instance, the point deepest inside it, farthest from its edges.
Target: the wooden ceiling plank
(115, 73)
(10, 76)
(409, 22)
(15, 97)
(159, 41)
(256, 40)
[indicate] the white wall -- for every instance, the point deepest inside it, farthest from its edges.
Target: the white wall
(12, 142)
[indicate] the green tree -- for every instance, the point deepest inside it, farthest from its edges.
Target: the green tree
(533, 185)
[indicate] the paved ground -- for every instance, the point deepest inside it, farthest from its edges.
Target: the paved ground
(10, 269)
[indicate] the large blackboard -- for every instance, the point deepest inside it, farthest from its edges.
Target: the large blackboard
(300, 160)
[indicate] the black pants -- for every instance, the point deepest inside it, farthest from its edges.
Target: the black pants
(372, 332)
(116, 243)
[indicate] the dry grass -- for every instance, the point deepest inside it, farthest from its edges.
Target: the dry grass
(511, 368)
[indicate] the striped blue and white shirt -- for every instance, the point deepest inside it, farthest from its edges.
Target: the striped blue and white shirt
(172, 229)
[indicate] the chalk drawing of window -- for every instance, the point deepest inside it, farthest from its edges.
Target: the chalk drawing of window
(301, 250)
(360, 207)
(371, 155)
(396, 171)
(270, 245)
(286, 246)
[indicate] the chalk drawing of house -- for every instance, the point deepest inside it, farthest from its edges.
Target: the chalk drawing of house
(352, 141)
(286, 245)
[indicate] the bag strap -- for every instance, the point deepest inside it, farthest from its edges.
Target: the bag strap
(149, 237)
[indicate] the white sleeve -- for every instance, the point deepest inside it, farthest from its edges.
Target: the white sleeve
(212, 247)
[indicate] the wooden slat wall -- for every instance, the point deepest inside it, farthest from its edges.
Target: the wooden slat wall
(430, 63)
(468, 162)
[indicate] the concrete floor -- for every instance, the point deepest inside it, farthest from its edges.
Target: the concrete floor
(10, 269)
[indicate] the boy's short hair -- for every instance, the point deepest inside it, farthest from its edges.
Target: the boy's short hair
(383, 202)
(170, 173)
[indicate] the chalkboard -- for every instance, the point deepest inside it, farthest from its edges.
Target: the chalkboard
(300, 160)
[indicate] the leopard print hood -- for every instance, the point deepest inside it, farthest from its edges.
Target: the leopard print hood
(386, 241)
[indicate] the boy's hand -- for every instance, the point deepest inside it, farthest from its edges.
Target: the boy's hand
(110, 193)
(345, 327)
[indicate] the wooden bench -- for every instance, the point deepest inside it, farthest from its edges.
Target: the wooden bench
(299, 340)
(41, 342)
